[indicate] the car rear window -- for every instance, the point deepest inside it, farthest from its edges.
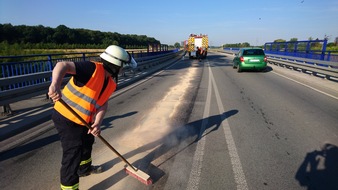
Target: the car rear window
(253, 52)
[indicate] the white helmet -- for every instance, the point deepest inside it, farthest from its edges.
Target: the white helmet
(116, 55)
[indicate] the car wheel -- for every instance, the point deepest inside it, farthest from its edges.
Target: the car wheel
(234, 64)
(239, 69)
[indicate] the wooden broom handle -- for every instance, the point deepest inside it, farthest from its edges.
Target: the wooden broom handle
(100, 137)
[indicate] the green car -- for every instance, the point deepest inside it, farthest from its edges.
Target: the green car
(250, 59)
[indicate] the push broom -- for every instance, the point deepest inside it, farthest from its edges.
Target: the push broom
(130, 169)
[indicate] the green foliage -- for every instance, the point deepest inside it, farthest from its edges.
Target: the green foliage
(63, 37)
(238, 45)
(280, 40)
(332, 48)
(16, 49)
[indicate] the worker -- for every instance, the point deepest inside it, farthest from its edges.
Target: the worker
(201, 53)
(198, 52)
(87, 92)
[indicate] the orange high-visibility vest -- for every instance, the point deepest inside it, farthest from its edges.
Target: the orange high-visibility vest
(86, 100)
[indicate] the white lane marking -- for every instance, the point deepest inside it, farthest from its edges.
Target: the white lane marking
(195, 173)
(235, 161)
(315, 89)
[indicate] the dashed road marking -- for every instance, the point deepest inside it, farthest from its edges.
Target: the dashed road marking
(195, 174)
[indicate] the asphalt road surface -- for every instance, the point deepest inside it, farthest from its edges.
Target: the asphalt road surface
(202, 125)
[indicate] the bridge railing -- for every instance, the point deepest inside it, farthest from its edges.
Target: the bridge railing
(326, 69)
(25, 79)
(327, 56)
(311, 54)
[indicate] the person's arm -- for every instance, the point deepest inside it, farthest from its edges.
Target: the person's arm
(96, 126)
(59, 71)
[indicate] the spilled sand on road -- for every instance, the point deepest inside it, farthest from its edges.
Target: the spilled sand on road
(153, 127)
(155, 124)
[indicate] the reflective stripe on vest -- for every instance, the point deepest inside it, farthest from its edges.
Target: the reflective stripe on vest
(85, 100)
(74, 187)
(84, 97)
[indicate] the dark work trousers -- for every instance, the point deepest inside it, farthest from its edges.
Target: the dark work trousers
(77, 147)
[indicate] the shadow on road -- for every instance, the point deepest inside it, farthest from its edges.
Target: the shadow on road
(187, 135)
(51, 139)
(29, 147)
(107, 122)
(319, 169)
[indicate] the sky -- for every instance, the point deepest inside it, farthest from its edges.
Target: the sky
(171, 21)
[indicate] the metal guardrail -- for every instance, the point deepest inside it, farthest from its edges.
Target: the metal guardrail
(318, 55)
(326, 69)
(232, 52)
(24, 90)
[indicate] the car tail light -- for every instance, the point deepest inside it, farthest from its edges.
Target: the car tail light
(265, 59)
(241, 59)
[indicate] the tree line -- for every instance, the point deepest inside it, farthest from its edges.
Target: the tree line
(237, 45)
(64, 37)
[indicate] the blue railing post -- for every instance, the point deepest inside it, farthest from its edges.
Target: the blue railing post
(323, 50)
(84, 56)
(8, 73)
(295, 48)
(288, 46)
(50, 63)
